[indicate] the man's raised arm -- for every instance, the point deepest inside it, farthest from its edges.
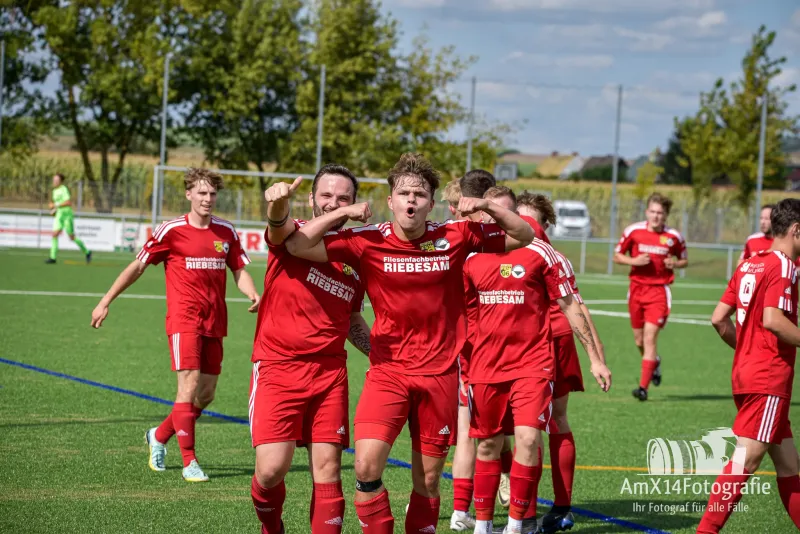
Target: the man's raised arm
(307, 241)
(518, 233)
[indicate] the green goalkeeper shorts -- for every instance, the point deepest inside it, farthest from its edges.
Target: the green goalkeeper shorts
(64, 221)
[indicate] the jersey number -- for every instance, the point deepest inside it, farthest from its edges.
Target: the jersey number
(746, 288)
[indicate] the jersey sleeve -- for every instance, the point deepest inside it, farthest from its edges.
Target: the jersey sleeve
(484, 237)
(156, 249)
(573, 282)
(679, 247)
(237, 257)
(729, 296)
(625, 244)
(746, 252)
(346, 246)
(556, 280)
(272, 247)
(778, 293)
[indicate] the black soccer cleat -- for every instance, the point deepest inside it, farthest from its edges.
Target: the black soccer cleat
(89, 257)
(529, 526)
(656, 380)
(556, 520)
(50, 261)
(640, 393)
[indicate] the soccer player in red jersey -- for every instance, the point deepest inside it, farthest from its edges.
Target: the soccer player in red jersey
(512, 368)
(656, 250)
(763, 295)
(299, 388)
(195, 250)
(412, 269)
(568, 378)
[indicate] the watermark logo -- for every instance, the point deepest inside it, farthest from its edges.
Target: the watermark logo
(705, 456)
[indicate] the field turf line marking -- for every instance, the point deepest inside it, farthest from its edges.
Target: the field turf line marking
(238, 420)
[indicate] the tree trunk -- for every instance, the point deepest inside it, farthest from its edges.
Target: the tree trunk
(264, 183)
(104, 180)
(84, 149)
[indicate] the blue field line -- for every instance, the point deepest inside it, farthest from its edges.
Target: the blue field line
(238, 420)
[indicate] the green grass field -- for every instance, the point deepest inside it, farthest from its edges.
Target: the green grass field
(73, 457)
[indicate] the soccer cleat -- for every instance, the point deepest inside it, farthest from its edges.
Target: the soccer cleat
(157, 451)
(529, 526)
(656, 380)
(556, 521)
(504, 491)
(462, 522)
(193, 473)
(89, 257)
(50, 261)
(640, 393)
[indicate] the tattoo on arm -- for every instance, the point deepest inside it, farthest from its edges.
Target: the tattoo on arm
(583, 331)
(359, 337)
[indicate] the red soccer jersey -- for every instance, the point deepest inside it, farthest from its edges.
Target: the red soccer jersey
(558, 321)
(306, 307)
(762, 363)
(756, 243)
(471, 300)
(512, 334)
(415, 288)
(637, 239)
(194, 262)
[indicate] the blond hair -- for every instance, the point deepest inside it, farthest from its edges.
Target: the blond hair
(193, 176)
(452, 193)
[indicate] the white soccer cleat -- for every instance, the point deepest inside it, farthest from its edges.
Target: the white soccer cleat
(193, 473)
(157, 451)
(504, 492)
(462, 522)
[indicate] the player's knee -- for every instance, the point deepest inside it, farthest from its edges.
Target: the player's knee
(431, 483)
(488, 449)
(367, 470)
(269, 475)
(528, 441)
(786, 464)
(326, 469)
(204, 398)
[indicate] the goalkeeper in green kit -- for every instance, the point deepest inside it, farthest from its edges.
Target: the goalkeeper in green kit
(61, 207)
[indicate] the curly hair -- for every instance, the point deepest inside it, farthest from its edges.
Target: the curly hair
(193, 176)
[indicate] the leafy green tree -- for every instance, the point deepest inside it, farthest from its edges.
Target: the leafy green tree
(722, 139)
(646, 178)
(675, 172)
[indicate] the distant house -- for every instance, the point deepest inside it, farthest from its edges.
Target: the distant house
(793, 171)
(554, 165)
(634, 167)
(604, 161)
(573, 166)
(526, 163)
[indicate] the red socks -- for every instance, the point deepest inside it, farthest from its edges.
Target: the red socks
(423, 514)
(562, 456)
(183, 420)
(506, 459)
(462, 494)
(269, 506)
(719, 508)
(789, 488)
(648, 368)
(487, 482)
(531, 512)
(524, 482)
(327, 508)
(166, 429)
(375, 515)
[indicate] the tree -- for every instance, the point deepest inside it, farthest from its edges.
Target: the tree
(242, 77)
(646, 178)
(675, 171)
(363, 90)
(722, 139)
(110, 56)
(24, 107)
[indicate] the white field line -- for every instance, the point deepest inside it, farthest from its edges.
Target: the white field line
(623, 315)
(685, 302)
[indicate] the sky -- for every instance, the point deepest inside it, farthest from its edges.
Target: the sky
(553, 67)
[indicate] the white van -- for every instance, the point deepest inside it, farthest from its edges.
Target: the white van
(572, 219)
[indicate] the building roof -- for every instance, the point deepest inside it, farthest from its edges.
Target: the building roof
(601, 161)
(554, 165)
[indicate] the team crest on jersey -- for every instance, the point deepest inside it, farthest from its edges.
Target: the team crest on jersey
(441, 244)
(505, 270)
(666, 240)
(518, 271)
(346, 269)
(221, 246)
(427, 246)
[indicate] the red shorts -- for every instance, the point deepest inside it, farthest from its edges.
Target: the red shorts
(428, 403)
(527, 401)
(568, 368)
(192, 351)
(300, 400)
(762, 417)
(649, 304)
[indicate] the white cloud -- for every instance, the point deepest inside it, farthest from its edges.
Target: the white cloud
(705, 23)
(644, 41)
(594, 61)
(796, 19)
(418, 3)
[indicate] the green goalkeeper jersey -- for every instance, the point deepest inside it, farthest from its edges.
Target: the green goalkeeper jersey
(60, 195)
